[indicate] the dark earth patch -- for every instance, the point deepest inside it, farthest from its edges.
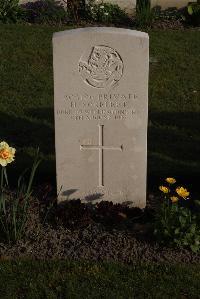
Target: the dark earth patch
(94, 232)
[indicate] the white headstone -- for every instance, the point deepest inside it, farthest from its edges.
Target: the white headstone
(101, 112)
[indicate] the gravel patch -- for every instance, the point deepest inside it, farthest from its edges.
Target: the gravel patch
(112, 233)
(93, 243)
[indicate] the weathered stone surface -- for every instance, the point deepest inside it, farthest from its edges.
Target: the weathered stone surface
(170, 3)
(101, 105)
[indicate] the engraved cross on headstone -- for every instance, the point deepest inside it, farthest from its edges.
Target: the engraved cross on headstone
(101, 147)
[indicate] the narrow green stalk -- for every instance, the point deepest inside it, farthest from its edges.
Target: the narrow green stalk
(13, 210)
(34, 168)
(5, 175)
(1, 179)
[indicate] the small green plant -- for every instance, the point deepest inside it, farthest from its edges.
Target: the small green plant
(144, 14)
(176, 224)
(10, 11)
(193, 13)
(14, 205)
(106, 13)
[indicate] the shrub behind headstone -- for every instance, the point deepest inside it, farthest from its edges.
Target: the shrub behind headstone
(10, 11)
(45, 12)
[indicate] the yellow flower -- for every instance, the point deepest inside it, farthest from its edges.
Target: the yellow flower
(164, 189)
(7, 154)
(174, 199)
(182, 192)
(170, 180)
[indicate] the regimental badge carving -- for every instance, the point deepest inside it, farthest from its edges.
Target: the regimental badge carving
(102, 67)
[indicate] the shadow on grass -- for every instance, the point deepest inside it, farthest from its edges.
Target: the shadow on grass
(26, 134)
(174, 146)
(31, 131)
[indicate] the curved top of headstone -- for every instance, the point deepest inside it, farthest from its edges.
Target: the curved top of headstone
(108, 30)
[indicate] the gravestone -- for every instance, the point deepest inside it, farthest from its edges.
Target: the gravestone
(101, 107)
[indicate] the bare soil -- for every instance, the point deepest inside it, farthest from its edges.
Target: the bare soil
(95, 232)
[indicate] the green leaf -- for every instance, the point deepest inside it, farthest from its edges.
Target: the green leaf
(185, 242)
(193, 228)
(166, 232)
(185, 212)
(182, 220)
(197, 202)
(177, 230)
(194, 248)
(190, 10)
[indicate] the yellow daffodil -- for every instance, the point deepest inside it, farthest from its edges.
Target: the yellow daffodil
(7, 154)
(164, 189)
(174, 199)
(182, 192)
(170, 180)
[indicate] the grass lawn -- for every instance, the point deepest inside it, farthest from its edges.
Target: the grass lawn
(26, 105)
(64, 279)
